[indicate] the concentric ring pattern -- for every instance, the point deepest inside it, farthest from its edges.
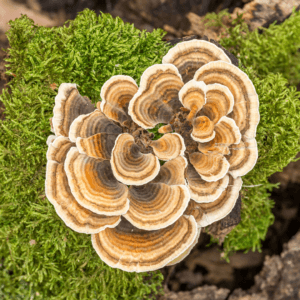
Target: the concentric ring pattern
(105, 175)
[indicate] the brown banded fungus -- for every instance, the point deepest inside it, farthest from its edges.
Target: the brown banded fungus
(104, 175)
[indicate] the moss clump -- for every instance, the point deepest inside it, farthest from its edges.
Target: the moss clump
(60, 263)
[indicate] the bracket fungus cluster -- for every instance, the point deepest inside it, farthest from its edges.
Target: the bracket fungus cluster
(104, 175)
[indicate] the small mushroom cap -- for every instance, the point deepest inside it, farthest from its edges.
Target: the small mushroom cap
(99, 145)
(208, 213)
(169, 146)
(156, 205)
(93, 185)
(203, 129)
(182, 256)
(58, 147)
(87, 125)
(165, 129)
(172, 172)
(219, 102)
(227, 133)
(69, 104)
(243, 157)
(136, 250)
(245, 110)
(192, 96)
(189, 56)
(157, 97)
(211, 167)
(116, 94)
(58, 192)
(129, 165)
(202, 191)
(50, 139)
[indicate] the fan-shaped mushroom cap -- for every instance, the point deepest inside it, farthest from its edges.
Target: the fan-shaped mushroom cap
(227, 133)
(192, 96)
(94, 186)
(208, 213)
(156, 205)
(210, 167)
(58, 192)
(182, 256)
(69, 104)
(172, 172)
(58, 146)
(189, 56)
(169, 146)
(219, 102)
(245, 110)
(202, 191)
(203, 129)
(136, 250)
(165, 129)
(50, 139)
(116, 93)
(129, 165)
(87, 125)
(99, 145)
(157, 96)
(243, 157)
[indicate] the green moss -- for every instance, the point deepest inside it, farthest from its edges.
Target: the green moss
(62, 264)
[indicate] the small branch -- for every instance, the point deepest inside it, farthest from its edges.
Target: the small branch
(252, 185)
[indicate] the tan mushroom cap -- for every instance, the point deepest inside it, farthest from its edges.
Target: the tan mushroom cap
(50, 139)
(245, 110)
(227, 133)
(157, 97)
(219, 102)
(136, 250)
(93, 185)
(116, 94)
(156, 205)
(192, 97)
(129, 165)
(189, 56)
(58, 146)
(182, 256)
(87, 125)
(172, 172)
(69, 104)
(202, 191)
(169, 146)
(203, 129)
(58, 192)
(243, 157)
(99, 145)
(211, 167)
(165, 129)
(208, 213)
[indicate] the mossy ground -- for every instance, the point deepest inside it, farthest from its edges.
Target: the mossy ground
(60, 263)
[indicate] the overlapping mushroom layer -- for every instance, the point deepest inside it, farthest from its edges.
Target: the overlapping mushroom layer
(104, 175)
